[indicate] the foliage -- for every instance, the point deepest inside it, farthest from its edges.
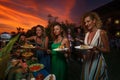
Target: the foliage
(31, 32)
(4, 55)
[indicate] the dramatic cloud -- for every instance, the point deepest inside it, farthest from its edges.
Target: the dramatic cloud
(14, 18)
(28, 13)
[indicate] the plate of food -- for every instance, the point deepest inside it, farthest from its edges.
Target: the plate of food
(28, 46)
(60, 49)
(36, 67)
(83, 47)
(27, 54)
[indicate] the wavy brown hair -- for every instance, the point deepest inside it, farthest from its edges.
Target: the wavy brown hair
(93, 16)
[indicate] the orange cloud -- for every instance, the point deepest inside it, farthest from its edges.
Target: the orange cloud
(29, 13)
(62, 13)
(15, 19)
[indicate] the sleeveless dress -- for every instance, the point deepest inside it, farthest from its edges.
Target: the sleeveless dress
(94, 68)
(42, 56)
(59, 64)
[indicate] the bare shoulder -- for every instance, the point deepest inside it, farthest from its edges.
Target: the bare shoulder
(65, 39)
(46, 37)
(103, 32)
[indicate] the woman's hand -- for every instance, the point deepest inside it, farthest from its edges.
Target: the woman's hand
(48, 51)
(66, 55)
(88, 55)
(96, 49)
(40, 48)
(76, 39)
(91, 53)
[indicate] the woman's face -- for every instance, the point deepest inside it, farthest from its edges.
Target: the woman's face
(57, 30)
(39, 31)
(89, 23)
(78, 30)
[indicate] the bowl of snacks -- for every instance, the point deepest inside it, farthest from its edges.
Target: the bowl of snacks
(36, 67)
(27, 55)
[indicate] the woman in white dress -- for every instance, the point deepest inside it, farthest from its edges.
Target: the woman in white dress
(94, 66)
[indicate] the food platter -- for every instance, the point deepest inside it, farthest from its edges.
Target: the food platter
(30, 46)
(26, 45)
(27, 54)
(60, 49)
(83, 47)
(36, 67)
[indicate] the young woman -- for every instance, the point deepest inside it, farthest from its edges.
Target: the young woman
(59, 65)
(94, 66)
(41, 43)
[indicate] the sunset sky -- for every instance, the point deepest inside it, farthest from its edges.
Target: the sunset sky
(28, 13)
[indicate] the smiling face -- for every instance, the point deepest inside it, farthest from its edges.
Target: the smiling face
(57, 30)
(89, 23)
(69, 31)
(39, 31)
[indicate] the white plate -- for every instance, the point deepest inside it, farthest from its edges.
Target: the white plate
(48, 77)
(83, 48)
(59, 49)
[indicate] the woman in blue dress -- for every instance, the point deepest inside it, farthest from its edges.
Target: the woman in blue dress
(41, 43)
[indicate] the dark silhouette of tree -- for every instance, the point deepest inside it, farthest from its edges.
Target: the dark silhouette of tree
(31, 32)
(13, 34)
(55, 19)
(49, 18)
(20, 30)
(52, 19)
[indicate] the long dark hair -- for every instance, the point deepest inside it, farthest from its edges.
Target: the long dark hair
(52, 30)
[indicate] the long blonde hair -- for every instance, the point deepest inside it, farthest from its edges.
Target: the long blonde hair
(93, 16)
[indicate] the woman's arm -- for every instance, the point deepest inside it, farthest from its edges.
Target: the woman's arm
(104, 39)
(45, 45)
(66, 43)
(30, 38)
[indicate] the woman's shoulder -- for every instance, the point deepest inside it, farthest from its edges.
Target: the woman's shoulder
(45, 38)
(65, 39)
(102, 32)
